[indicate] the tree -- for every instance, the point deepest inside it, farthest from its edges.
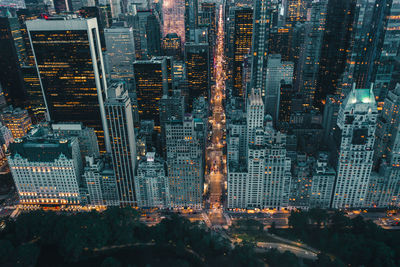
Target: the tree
(298, 221)
(27, 254)
(272, 228)
(318, 215)
(339, 221)
(110, 262)
(6, 251)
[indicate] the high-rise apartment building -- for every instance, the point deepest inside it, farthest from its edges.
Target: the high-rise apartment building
(254, 115)
(100, 182)
(120, 52)
(264, 181)
(17, 121)
(46, 169)
(71, 70)
(86, 137)
(123, 142)
(300, 186)
(355, 136)
(185, 162)
(242, 36)
(323, 180)
(152, 182)
(151, 80)
(387, 150)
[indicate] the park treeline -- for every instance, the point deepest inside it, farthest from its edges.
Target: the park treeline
(356, 242)
(117, 237)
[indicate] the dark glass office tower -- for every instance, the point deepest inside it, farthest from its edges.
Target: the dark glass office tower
(151, 82)
(335, 47)
(171, 46)
(62, 6)
(262, 20)
(24, 15)
(153, 33)
(197, 70)
(208, 16)
(68, 57)
(191, 17)
(101, 16)
(35, 101)
(243, 31)
(12, 52)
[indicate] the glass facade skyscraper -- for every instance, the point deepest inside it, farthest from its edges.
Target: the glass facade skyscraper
(70, 64)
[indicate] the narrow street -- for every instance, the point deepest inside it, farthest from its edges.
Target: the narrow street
(215, 162)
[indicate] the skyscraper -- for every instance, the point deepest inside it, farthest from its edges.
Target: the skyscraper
(355, 139)
(149, 34)
(191, 17)
(308, 70)
(171, 45)
(11, 55)
(385, 79)
(120, 52)
(208, 16)
(100, 182)
(69, 59)
(100, 14)
(153, 187)
(185, 162)
(123, 142)
(174, 17)
(62, 6)
(266, 181)
(323, 180)
(262, 20)
(46, 169)
(243, 31)
(151, 82)
(278, 72)
(197, 70)
(335, 48)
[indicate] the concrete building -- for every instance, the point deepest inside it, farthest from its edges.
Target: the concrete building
(322, 185)
(152, 182)
(120, 45)
(86, 137)
(123, 142)
(185, 162)
(17, 121)
(100, 182)
(355, 138)
(46, 169)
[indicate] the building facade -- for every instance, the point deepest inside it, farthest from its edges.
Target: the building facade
(355, 138)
